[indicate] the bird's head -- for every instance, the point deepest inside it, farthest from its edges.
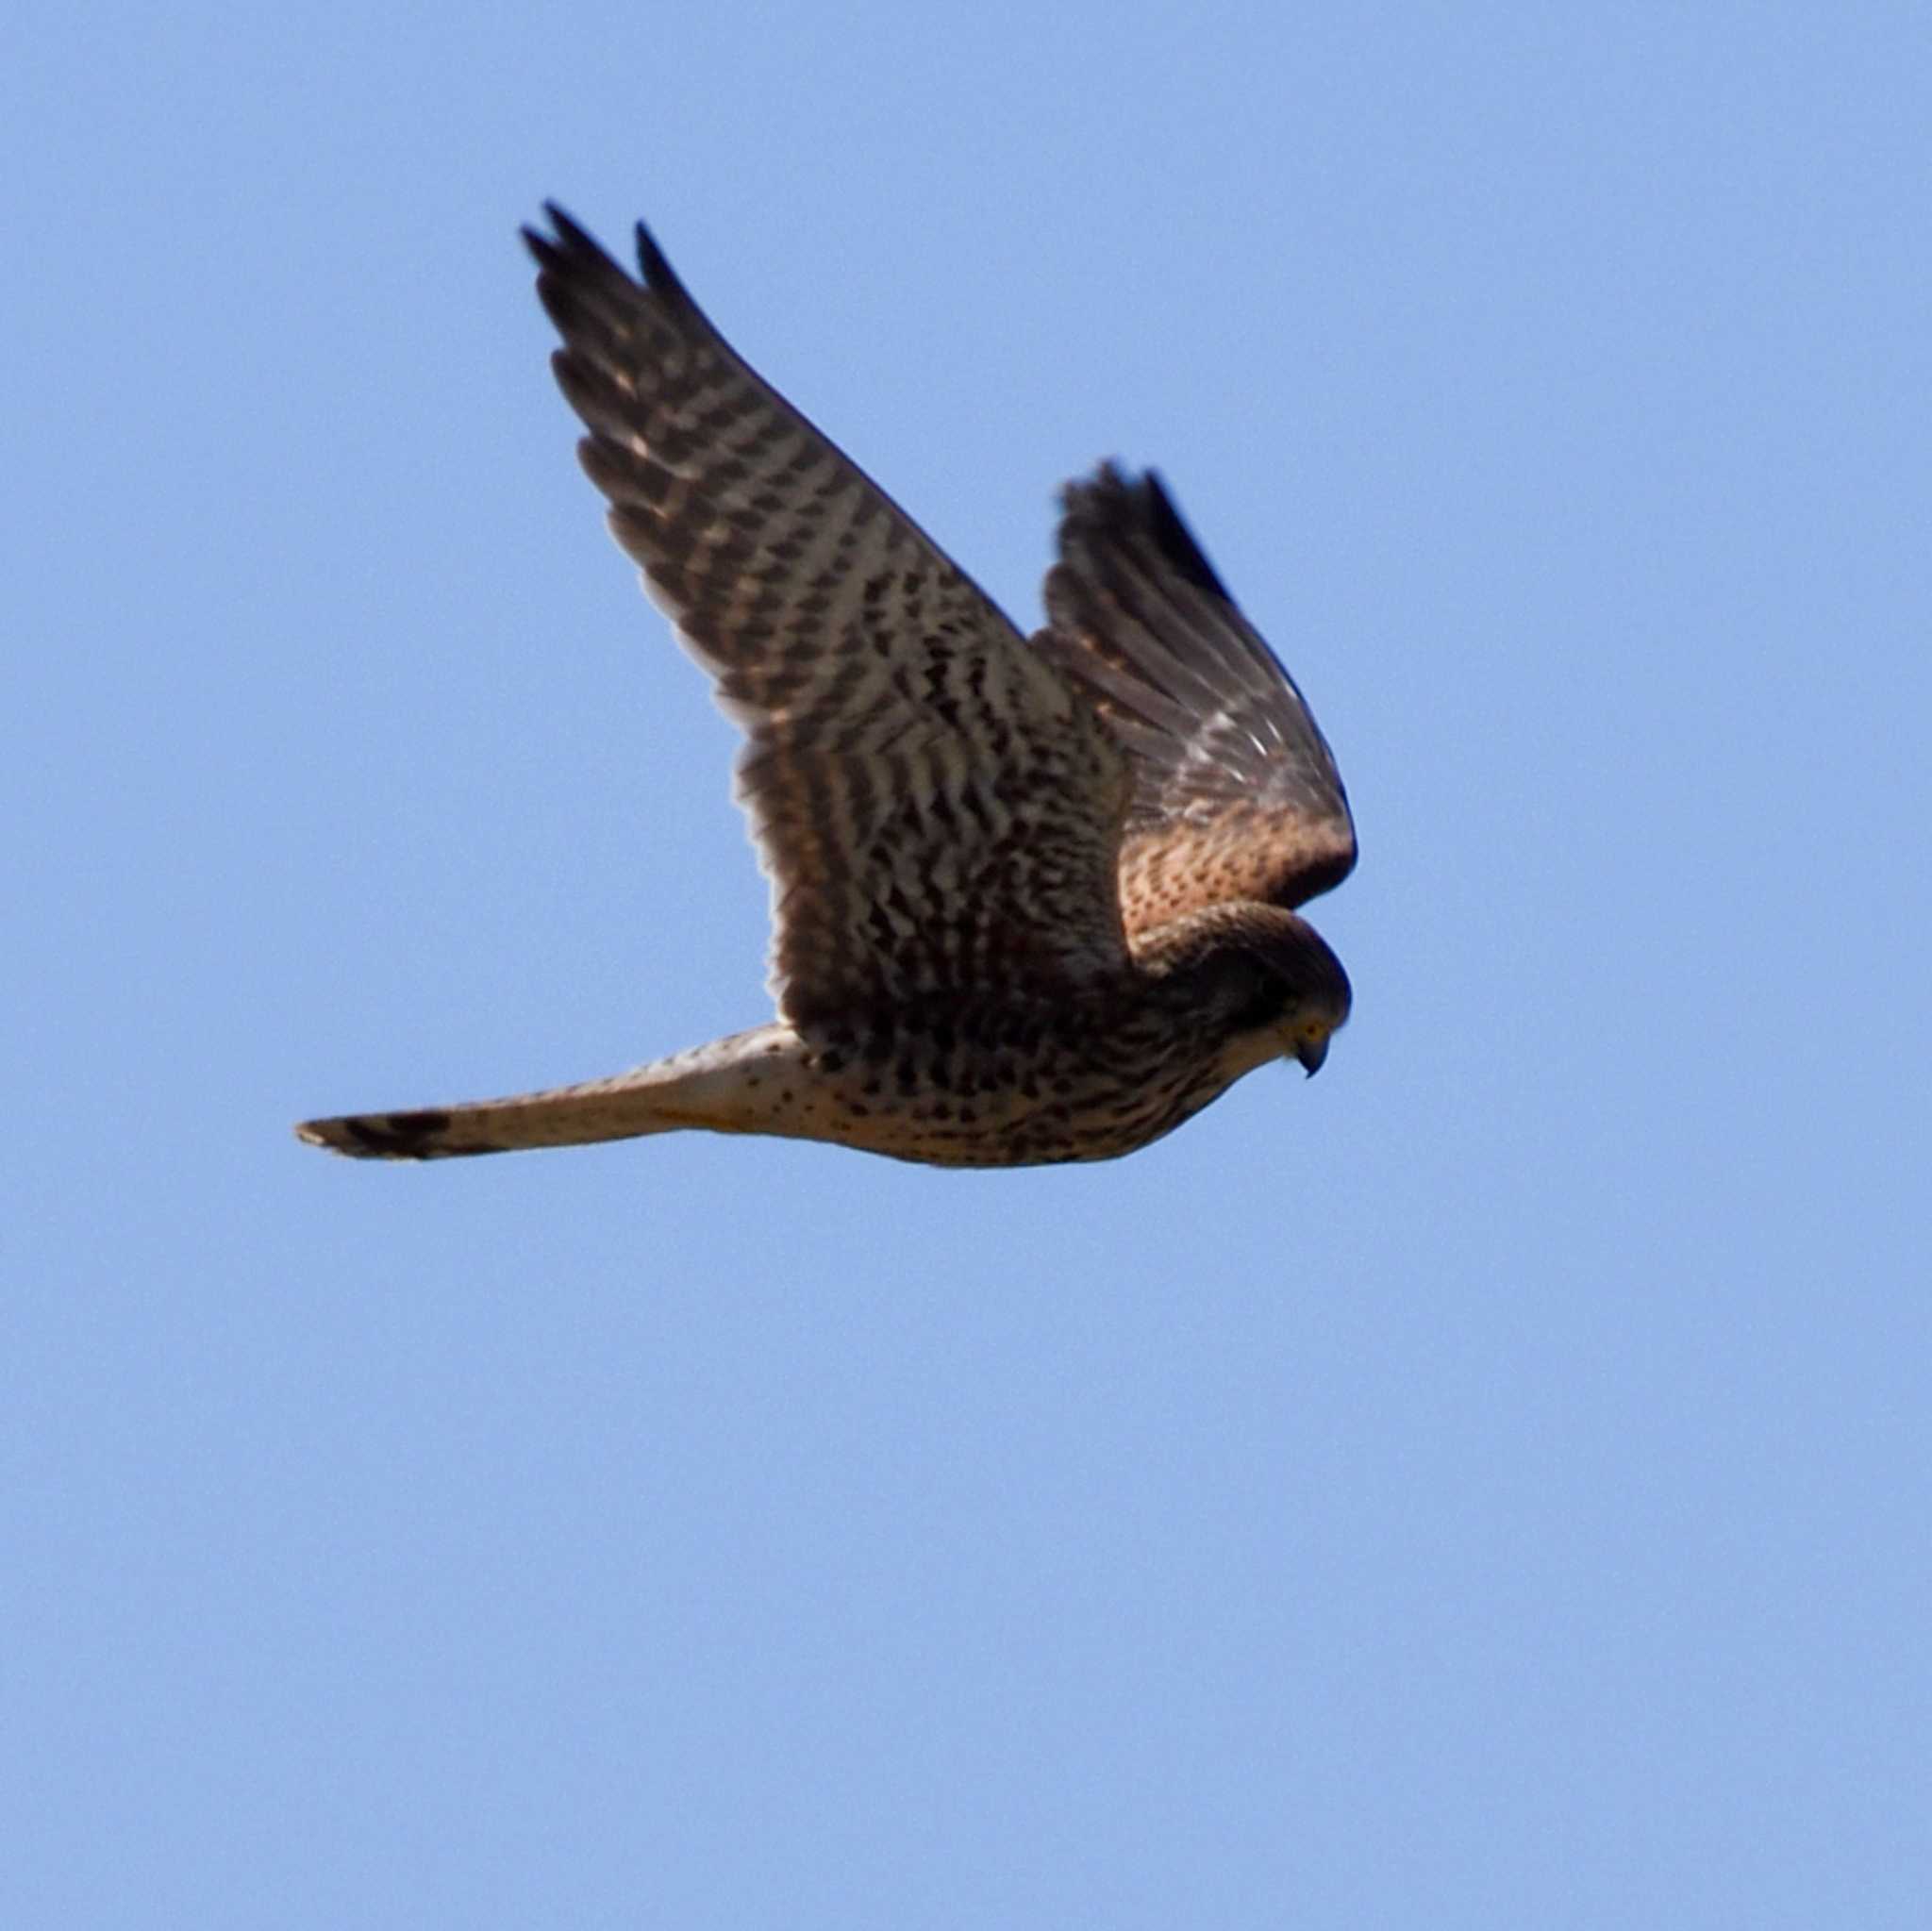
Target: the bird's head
(1294, 993)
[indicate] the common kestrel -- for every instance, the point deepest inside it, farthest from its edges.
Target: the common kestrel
(1030, 898)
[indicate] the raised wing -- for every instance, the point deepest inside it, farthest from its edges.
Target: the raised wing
(938, 813)
(1236, 793)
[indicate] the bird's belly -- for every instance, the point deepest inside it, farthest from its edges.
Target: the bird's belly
(932, 1096)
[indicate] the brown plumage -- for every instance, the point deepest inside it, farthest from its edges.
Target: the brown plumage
(1031, 898)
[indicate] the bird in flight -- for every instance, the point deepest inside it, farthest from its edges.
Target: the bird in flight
(1032, 898)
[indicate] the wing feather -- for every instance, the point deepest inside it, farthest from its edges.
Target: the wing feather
(937, 809)
(1236, 792)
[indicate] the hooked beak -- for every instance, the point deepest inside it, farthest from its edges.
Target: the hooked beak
(1312, 1053)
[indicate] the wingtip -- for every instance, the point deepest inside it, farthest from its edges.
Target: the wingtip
(568, 245)
(1108, 484)
(1176, 542)
(1113, 497)
(568, 231)
(571, 246)
(654, 266)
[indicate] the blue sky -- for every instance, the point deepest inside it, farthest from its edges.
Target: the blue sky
(1487, 1485)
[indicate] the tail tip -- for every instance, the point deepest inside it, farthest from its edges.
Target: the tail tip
(382, 1135)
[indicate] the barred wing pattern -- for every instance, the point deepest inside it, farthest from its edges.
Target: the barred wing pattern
(1236, 793)
(938, 811)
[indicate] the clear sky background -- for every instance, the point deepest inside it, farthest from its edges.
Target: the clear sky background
(1488, 1485)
